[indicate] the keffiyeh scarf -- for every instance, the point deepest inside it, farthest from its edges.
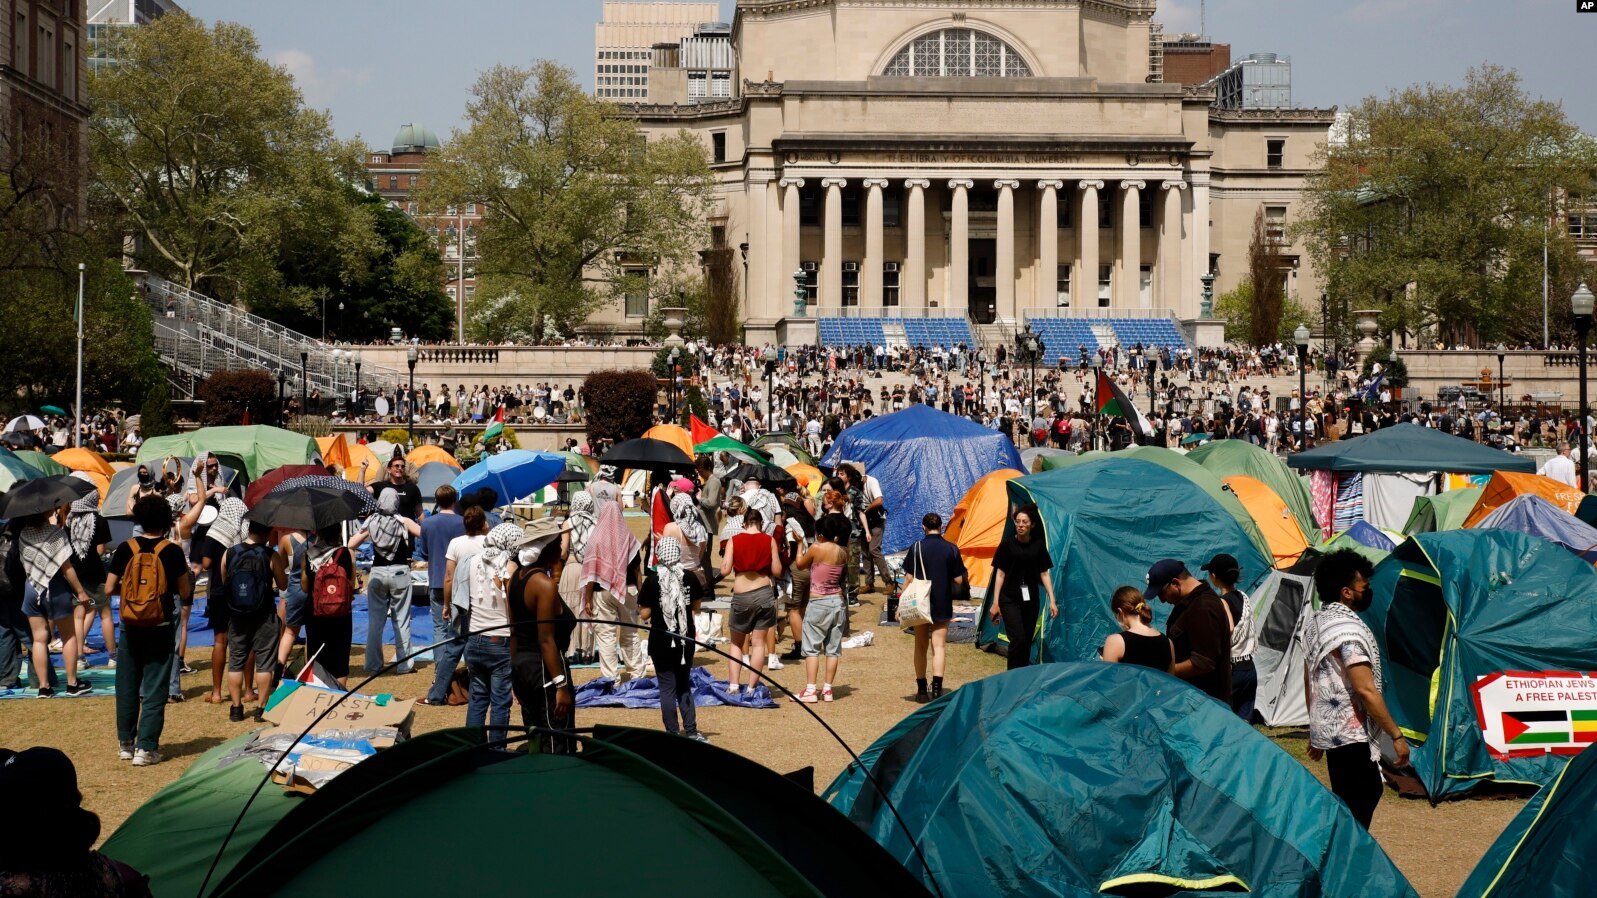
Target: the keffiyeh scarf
(45, 550)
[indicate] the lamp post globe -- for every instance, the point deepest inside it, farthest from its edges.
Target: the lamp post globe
(1580, 305)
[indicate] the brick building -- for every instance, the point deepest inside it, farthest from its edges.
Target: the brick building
(44, 125)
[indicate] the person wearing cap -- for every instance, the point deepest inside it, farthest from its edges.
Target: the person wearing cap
(42, 782)
(1224, 572)
(1199, 627)
(540, 634)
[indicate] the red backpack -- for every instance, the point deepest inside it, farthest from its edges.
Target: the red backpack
(334, 595)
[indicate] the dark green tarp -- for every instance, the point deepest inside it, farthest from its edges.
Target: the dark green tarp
(1105, 521)
(1409, 448)
(1088, 779)
(1449, 609)
(1547, 849)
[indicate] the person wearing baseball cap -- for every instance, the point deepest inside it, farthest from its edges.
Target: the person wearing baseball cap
(1224, 573)
(1199, 627)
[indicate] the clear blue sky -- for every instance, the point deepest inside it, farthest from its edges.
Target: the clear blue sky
(377, 65)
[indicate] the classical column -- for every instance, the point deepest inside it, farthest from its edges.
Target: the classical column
(1004, 267)
(792, 252)
(912, 282)
(1048, 243)
(959, 245)
(870, 280)
(1085, 283)
(1129, 289)
(832, 252)
(1200, 236)
(1171, 284)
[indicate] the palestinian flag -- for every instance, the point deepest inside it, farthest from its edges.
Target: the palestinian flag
(1533, 728)
(1113, 402)
(496, 427)
(701, 432)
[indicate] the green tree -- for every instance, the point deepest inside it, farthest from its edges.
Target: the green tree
(206, 153)
(574, 196)
(1450, 189)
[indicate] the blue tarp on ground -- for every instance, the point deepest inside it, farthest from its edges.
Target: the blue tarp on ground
(925, 460)
(644, 692)
(1534, 515)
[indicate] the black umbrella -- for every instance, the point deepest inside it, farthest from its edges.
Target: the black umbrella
(647, 455)
(43, 495)
(767, 475)
(307, 508)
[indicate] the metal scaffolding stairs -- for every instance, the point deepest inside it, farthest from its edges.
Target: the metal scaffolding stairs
(196, 336)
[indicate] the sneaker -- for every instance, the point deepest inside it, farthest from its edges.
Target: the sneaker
(826, 693)
(46, 692)
(236, 714)
(697, 736)
(79, 688)
(143, 758)
(125, 752)
(772, 662)
(809, 696)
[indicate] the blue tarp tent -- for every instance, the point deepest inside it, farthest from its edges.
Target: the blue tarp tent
(1534, 515)
(1105, 522)
(1094, 779)
(1479, 633)
(926, 460)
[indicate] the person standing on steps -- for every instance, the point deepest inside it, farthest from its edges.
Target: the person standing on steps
(1022, 571)
(937, 560)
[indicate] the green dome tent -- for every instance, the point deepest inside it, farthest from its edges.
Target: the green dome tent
(526, 821)
(1545, 850)
(1206, 480)
(1230, 458)
(1089, 779)
(1475, 628)
(1105, 521)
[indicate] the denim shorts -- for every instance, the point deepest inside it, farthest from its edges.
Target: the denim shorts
(55, 605)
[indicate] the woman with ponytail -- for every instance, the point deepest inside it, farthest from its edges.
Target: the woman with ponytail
(1137, 642)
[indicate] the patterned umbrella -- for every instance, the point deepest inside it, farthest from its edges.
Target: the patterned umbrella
(368, 504)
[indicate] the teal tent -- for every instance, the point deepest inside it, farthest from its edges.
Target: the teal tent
(1409, 448)
(1546, 849)
(1096, 779)
(1231, 458)
(1105, 522)
(253, 449)
(1468, 623)
(528, 823)
(1443, 511)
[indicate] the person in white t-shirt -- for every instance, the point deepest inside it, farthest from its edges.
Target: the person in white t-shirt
(1561, 467)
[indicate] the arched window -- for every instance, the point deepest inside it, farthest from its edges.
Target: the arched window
(957, 53)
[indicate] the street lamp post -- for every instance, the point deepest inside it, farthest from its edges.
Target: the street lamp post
(769, 357)
(1301, 334)
(304, 380)
(410, 416)
(1581, 305)
(1501, 354)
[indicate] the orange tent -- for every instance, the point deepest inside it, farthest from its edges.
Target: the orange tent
(338, 451)
(421, 455)
(977, 525)
(86, 460)
(673, 434)
(1506, 486)
(1281, 530)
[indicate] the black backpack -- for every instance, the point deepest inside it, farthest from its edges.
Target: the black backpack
(249, 586)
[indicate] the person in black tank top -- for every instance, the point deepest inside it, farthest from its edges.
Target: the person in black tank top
(540, 634)
(1137, 642)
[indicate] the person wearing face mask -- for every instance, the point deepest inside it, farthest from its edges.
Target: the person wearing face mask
(1349, 724)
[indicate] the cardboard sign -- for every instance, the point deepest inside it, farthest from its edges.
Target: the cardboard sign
(296, 712)
(1525, 714)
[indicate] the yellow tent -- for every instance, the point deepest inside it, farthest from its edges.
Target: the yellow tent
(338, 452)
(808, 476)
(671, 433)
(977, 525)
(421, 455)
(86, 460)
(1500, 490)
(1281, 530)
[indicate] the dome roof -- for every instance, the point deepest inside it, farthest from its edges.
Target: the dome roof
(414, 138)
